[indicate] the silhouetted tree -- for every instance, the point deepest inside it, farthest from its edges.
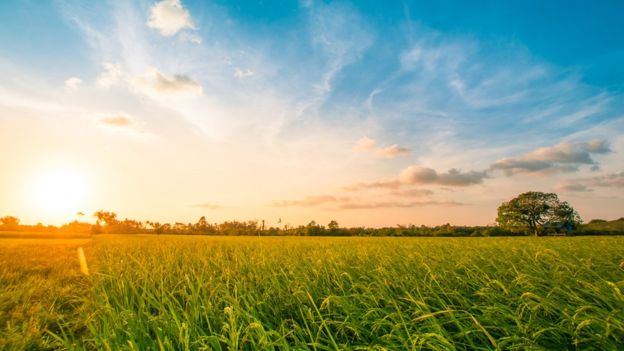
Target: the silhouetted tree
(9, 223)
(107, 218)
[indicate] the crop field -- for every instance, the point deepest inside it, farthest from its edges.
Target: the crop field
(216, 293)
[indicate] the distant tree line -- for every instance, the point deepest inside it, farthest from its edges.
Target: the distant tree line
(107, 223)
(530, 213)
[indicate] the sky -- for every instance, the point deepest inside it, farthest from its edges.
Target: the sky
(369, 113)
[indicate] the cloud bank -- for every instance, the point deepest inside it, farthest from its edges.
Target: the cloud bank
(563, 157)
(454, 177)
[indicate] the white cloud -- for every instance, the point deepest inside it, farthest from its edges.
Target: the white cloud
(73, 83)
(169, 17)
(243, 73)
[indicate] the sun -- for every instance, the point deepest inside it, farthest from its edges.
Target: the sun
(59, 191)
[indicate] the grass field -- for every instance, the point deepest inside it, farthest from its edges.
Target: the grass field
(212, 293)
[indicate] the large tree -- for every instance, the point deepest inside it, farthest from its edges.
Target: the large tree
(9, 223)
(535, 212)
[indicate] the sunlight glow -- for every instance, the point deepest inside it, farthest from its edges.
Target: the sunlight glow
(59, 192)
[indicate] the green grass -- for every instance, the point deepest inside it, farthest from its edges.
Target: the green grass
(193, 293)
(40, 287)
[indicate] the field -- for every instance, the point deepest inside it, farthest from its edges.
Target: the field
(217, 293)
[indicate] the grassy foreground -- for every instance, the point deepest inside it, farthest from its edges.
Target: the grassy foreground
(212, 293)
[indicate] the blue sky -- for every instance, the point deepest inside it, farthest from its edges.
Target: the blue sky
(578, 35)
(435, 111)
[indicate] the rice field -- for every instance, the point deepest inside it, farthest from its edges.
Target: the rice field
(240, 293)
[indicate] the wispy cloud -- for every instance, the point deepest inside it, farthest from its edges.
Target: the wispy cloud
(308, 201)
(572, 188)
(383, 184)
(611, 180)
(347, 203)
(342, 36)
(615, 180)
(111, 75)
(413, 193)
(364, 144)
(395, 204)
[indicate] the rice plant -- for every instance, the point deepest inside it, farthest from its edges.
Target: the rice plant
(219, 293)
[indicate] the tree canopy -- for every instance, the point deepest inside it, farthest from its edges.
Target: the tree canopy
(536, 212)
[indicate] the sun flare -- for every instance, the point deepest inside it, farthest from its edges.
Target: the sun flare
(60, 191)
